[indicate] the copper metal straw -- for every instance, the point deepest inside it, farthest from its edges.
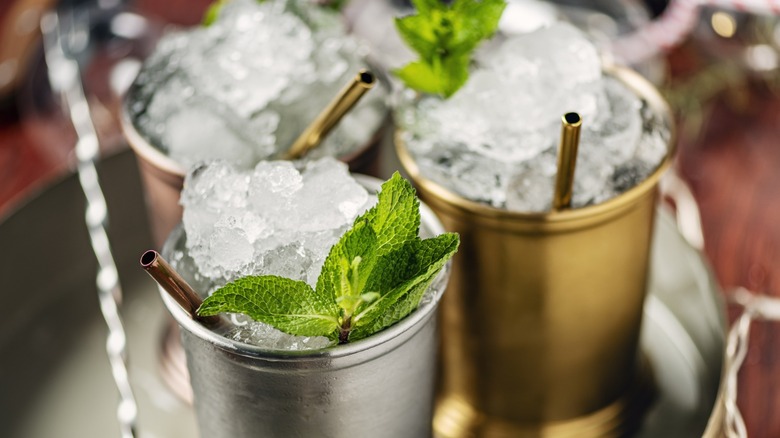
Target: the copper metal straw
(173, 283)
(567, 160)
(330, 116)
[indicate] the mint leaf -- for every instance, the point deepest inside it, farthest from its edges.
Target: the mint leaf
(426, 6)
(335, 5)
(374, 276)
(420, 76)
(426, 261)
(213, 12)
(348, 264)
(393, 268)
(290, 306)
(396, 217)
(480, 20)
(443, 79)
(418, 33)
(444, 37)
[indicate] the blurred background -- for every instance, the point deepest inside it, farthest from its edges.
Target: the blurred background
(722, 80)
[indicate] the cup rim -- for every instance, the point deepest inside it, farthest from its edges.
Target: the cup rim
(144, 148)
(635, 82)
(410, 324)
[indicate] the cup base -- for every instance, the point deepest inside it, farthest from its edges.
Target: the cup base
(456, 418)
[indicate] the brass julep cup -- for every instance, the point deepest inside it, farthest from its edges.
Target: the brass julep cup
(541, 322)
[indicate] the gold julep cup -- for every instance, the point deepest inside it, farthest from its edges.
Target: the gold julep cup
(541, 321)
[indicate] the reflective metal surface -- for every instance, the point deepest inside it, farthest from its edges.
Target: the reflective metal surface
(55, 379)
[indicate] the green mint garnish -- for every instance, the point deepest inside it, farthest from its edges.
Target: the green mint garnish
(213, 12)
(444, 37)
(215, 8)
(374, 276)
(335, 5)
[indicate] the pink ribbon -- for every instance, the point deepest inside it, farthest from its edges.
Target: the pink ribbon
(676, 23)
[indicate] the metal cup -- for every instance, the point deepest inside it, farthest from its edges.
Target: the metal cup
(163, 178)
(541, 321)
(380, 386)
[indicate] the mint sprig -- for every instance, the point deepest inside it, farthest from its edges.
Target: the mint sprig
(334, 5)
(212, 12)
(214, 9)
(445, 37)
(374, 276)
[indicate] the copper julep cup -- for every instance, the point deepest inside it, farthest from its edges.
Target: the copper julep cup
(163, 178)
(541, 321)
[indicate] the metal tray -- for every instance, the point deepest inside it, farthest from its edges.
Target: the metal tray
(54, 375)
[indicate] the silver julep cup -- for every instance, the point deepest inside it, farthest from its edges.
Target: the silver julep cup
(380, 386)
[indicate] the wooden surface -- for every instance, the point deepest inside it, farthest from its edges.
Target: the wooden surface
(730, 155)
(731, 159)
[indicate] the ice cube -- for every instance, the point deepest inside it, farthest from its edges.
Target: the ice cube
(629, 174)
(617, 138)
(289, 261)
(262, 335)
(229, 252)
(209, 191)
(531, 187)
(470, 174)
(331, 198)
(272, 186)
(196, 134)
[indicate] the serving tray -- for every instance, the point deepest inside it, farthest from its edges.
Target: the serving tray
(55, 379)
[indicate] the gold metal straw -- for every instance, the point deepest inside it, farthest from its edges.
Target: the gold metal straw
(567, 160)
(173, 283)
(330, 116)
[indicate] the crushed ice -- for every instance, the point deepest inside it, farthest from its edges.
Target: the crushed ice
(271, 220)
(246, 86)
